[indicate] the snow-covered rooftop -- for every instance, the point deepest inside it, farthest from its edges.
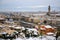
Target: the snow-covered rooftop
(48, 26)
(1, 18)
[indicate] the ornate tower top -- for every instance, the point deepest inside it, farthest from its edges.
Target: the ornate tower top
(49, 8)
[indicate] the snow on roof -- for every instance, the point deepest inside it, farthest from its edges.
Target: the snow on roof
(9, 22)
(42, 28)
(2, 26)
(32, 29)
(48, 26)
(50, 33)
(1, 18)
(17, 27)
(23, 28)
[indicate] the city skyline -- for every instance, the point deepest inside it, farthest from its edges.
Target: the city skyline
(29, 5)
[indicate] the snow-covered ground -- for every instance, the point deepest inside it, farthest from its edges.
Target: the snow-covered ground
(58, 38)
(36, 38)
(31, 38)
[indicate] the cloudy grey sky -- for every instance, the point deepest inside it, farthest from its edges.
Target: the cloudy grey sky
(29, 5)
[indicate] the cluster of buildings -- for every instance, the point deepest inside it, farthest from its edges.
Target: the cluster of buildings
(50, 17)
(32, 19)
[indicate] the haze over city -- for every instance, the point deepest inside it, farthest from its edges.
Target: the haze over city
(29, 5)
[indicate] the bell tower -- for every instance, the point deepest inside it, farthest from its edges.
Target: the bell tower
(49, 8)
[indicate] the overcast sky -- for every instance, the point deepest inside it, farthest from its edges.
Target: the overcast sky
(29, 5)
